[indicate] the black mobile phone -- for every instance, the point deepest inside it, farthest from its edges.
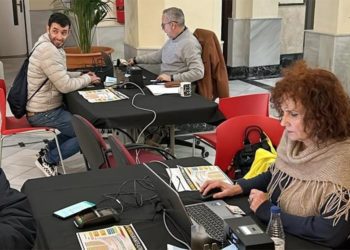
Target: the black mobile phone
(96, 217)
(74, 209)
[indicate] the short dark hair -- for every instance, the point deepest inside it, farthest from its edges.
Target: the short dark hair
(326, 104)
(59, 18)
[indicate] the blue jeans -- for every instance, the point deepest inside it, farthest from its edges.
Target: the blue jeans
(62, 120)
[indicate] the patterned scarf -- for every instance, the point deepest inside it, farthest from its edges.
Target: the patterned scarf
(316, 177)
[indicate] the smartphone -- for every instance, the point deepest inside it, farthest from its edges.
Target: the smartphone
(96, 217)
(74, 209)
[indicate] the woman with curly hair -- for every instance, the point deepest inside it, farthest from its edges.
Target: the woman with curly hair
(310, 179)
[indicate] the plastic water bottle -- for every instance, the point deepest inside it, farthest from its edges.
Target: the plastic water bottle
(275, 228)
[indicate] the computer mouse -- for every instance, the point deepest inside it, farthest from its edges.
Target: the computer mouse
(209, 195)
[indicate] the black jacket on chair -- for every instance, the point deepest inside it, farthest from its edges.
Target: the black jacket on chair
(17, 225)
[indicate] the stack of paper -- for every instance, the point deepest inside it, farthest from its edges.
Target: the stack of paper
(160, 89)
(102, 95)
(191, 178)
(115, 237)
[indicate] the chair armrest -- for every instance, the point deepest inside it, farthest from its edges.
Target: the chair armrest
(161, 151)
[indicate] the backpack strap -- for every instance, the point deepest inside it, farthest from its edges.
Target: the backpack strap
(36, 91)
(45, 79)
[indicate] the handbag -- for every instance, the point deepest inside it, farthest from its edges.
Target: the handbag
(244, 158)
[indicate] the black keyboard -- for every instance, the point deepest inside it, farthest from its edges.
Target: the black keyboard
(213, 224)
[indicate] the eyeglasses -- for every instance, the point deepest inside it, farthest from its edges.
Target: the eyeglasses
(163, 24)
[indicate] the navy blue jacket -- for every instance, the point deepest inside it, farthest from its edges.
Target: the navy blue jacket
(17, 226)
(314, 228)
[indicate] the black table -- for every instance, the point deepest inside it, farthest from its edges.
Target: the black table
(49, 194)
(171, 109)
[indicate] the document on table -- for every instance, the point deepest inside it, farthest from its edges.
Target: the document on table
(116, 237)
(160, 89)
(102, 95)
(191, 178)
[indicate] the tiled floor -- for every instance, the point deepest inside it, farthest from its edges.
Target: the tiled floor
(18, 163)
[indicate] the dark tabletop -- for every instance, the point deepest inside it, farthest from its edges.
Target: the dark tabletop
(49, 194)
(170, 109)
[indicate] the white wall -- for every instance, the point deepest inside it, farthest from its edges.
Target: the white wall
(143, 19)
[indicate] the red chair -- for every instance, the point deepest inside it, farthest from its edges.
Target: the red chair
(254, 104)
(12, 126)
(98, 154)
(230, 136)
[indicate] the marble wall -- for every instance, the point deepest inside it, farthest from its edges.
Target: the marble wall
(292, 32)
(331, 52)
(111, 35)
(2, 76)
(254, 42)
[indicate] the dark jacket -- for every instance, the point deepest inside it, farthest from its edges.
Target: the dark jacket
(17, 226)
(215, 81)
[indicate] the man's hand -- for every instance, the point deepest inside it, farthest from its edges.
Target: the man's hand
(256, 198)
(131, 62)
(94, 79)
(164, 78)
(226, 189)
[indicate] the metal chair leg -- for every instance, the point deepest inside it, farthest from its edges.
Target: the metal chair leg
(59, 152)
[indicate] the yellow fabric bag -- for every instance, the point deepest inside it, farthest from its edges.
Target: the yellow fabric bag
(262, 161)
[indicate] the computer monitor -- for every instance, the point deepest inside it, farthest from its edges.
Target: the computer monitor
(172, 203)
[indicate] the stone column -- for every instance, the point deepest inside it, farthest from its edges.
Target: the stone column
(143, 33)
(328, 44)
(254, 39)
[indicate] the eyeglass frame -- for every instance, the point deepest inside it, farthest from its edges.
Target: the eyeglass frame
(162, 25)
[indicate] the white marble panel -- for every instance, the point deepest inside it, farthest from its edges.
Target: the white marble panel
(238, 42)
(264, 42)
(130, 51)
(311, 48)
(326, 52)
(292, 33)
(111, 36)
(331, 52)
(342, 60)
(2, 76)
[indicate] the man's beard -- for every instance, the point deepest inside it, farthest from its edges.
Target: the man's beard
(54, 42)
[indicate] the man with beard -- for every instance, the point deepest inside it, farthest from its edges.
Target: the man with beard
(48, 64)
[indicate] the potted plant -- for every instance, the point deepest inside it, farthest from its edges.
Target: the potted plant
(85, 15)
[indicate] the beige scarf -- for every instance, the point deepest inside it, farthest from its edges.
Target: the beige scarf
(318, 176)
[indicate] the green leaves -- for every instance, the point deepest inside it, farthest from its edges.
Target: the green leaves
(85, 15)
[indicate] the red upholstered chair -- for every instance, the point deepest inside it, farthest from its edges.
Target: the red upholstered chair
(132, 154)
(230, 136)
(253, 104)
(98, 154)
(11, 126)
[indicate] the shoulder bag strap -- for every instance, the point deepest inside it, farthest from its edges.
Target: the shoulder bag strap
(45, 79)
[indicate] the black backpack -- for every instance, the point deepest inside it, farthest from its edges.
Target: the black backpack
(244, 158)
(17, 97)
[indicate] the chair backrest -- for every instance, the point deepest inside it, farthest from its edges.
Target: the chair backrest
(3, 85)
(253, 104)
(2, 110)
(215, 81)
(121, 155)
(91, 143)
(230, 134)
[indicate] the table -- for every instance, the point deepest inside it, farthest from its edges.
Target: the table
(170, 109)
(48, 194)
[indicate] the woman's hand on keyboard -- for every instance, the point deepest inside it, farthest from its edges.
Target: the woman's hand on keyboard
(226, 189)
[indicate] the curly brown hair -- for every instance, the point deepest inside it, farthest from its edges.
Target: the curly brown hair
(326, 104)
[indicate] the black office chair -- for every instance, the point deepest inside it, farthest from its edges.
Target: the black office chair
(95, 150)
(132, 154)
(98, 154)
